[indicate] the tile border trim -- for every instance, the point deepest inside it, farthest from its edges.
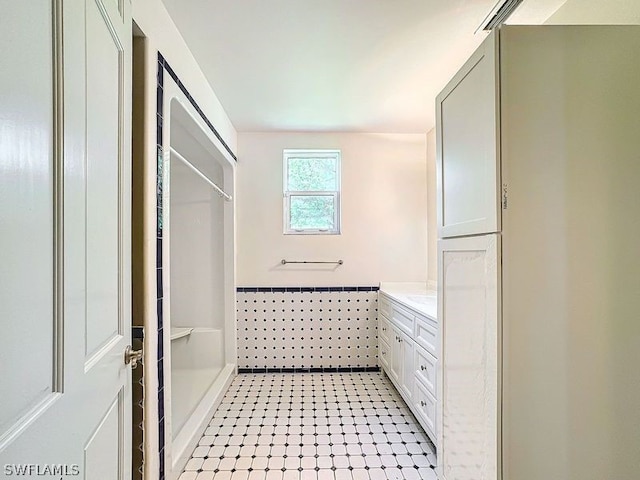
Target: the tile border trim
(306, 289)
(311, 370)
(163, 62)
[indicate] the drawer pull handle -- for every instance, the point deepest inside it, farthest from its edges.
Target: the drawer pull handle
(422, 367)
(422, 403)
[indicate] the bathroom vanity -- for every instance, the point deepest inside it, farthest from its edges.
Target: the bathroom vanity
(408, 346)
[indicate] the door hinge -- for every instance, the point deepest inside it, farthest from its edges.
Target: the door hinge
(504, 196)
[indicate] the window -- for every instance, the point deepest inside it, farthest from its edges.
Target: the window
(311, 192)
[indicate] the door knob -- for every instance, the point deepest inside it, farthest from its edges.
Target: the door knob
(132, 356)
(422, 367)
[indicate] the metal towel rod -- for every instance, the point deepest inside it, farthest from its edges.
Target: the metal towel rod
(284, 262)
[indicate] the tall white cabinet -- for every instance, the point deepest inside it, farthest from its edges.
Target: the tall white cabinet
(539, 264)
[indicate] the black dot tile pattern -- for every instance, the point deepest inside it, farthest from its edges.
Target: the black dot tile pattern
(307, 329)
(312, 426)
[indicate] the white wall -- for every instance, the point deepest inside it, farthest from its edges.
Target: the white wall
(162, 35)
(597, 12)
(384, 211)
(432, 224)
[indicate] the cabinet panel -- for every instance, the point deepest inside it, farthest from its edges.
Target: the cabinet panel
(469, 357)
(427, 335)
(425, 366)
(384, 354)
(397, 358)
(426, 407)
(384, 328)
(467, 122)
(407, 379)
(384, 306)
(403, 319)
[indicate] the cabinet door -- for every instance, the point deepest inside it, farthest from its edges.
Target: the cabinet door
(384, 354)
(397, 358)
(468, 384)
(467, 125)
(407, 380)
(384, 328)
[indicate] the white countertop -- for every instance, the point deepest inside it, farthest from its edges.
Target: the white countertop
(413, 295)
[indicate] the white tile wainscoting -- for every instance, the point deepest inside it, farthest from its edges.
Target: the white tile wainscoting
(307, 329)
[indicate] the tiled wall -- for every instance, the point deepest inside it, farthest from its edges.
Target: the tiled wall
(300, 328)
(137, 391)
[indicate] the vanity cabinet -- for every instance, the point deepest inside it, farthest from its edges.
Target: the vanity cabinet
(407, 347)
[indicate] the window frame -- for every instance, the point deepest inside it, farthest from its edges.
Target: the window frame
(287, 194)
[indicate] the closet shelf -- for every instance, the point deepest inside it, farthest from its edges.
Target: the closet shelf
(179, 332)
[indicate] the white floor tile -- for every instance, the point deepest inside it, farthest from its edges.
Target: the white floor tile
(393, 474)
(211, 464)
(205, 476)
(343, 474)
(427, 474)
(222, 475)
(194, 464)
(360, 474)
(312, 427)
(188, 476)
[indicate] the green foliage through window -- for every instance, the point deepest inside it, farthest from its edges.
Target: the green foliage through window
(312, 174)
(312, 212)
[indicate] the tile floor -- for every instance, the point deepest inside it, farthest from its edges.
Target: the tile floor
(312, 426)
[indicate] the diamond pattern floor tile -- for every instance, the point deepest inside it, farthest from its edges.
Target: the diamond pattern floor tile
(312, 426)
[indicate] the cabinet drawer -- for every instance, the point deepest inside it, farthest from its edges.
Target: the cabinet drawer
(403, 319)
(427, 335)
(384, 306)
(425, 368)
(425, 406)
(384, 354)
(384, 328)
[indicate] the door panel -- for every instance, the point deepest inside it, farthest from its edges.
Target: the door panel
(27, 211)
(102, 453)
(469, 402)
(468, 147)
(104, 156)
(64, 213)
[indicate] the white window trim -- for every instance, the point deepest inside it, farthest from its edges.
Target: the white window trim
(287, 194)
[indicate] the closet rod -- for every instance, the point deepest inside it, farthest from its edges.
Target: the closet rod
(221, 192)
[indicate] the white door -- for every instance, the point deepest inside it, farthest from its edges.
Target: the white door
(468, 384)
(64, 216)
(468, 156)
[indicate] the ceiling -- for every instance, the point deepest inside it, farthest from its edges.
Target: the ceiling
(332, 65)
